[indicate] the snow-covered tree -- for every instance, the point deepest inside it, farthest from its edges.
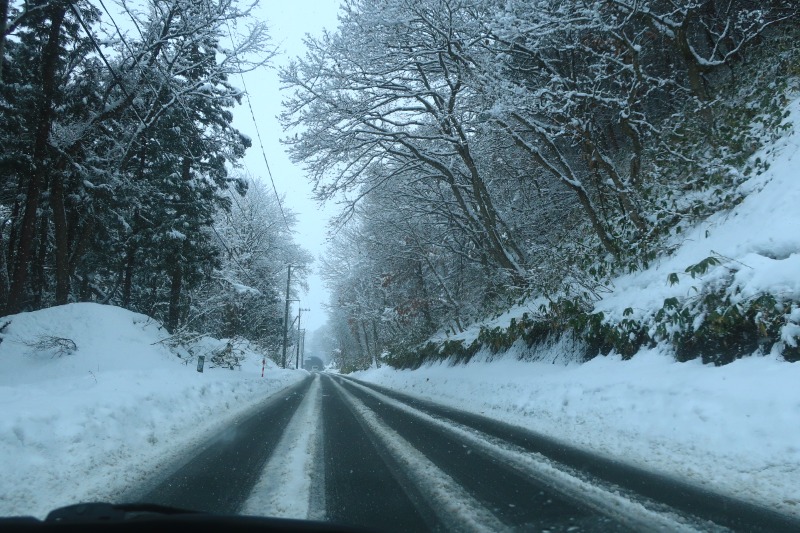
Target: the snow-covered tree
(245, 295)
(117, 149)
(387, 98)
(485, 150)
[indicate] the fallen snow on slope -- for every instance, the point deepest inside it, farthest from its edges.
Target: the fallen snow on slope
(758, 241)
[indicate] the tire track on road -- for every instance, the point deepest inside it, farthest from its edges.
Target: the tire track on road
(455, 509)
(220, 476)
(360, 489)
(707, 510)
(292, 476)
(578, 493)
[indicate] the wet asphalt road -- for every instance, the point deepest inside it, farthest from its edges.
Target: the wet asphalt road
(391, 462)
(220, 475)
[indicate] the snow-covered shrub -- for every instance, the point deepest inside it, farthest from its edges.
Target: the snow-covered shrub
(50, 344)
(229, 356)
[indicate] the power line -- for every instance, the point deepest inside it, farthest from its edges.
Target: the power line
(258, 133)
(96, 46)
(246, 94)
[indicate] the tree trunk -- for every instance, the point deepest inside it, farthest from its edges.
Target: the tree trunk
(12, 237)
(85, 290)
(376, 343)
(132, 247)
(566, 176)
(621, 189)
(173, 316)
(81, 246)
(508, 256)
(361, 345)
(38, 283)
(127, 284)
(3, 19)
(4, 282)
(695, 72)
(35, 182)
(366, 340)
(423, 290)
(61, 239)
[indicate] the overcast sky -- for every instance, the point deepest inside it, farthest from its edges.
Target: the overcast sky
(289, 22)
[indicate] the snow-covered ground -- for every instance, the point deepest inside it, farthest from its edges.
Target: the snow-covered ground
(90, 424)
(757, 242)
(87, 425)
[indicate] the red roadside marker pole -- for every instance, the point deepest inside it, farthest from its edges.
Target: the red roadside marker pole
(263, 362)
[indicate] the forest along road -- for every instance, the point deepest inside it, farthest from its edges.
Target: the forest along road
(333, 448)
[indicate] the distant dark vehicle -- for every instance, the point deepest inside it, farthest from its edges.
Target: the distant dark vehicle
(313, 364)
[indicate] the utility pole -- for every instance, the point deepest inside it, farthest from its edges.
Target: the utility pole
(303, 346)
(297, 359)
(286, 317)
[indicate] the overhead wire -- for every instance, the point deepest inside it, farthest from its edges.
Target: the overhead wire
(258, 134)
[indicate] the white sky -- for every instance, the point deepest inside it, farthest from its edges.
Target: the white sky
(289, 22)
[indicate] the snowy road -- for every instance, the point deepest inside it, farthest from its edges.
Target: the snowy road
(221, 474)
(335, 449)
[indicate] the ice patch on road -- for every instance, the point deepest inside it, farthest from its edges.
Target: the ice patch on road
(285, 487)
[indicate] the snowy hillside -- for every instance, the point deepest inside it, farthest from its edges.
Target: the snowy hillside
(746, 252)
(757, 241)
(734, 428)
(109, 411)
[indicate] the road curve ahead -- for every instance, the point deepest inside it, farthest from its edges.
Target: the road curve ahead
(336, 449)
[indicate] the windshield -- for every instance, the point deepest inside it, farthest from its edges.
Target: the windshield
(403, 265)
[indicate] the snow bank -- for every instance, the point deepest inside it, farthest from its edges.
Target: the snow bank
(85, 425)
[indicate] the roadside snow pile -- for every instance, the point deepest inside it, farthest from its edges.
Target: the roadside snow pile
(94, 400)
